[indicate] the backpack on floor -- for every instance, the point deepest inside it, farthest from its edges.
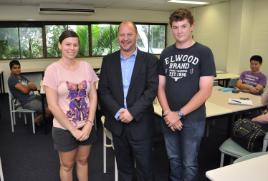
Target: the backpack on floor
(248, 134)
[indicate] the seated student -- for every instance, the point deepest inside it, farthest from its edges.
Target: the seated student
(252, 81)
(263, 118)
(22, 89)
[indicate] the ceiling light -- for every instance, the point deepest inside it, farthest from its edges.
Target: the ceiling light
(188, 2)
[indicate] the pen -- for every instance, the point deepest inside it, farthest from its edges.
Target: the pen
(236, 101)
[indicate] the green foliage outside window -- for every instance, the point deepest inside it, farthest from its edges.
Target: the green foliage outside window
(82, 31)
(100, 39)
(33, 42)
(156, 39)
(9, 43)
(53, 33)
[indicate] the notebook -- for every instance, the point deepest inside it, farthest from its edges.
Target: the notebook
(247, 102)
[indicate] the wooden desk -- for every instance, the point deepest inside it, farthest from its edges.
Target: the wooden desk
(225, 78)
(222, 76)
(248, 170)
(218, 104)
(215, 110)
(211, 109)
(220, 98)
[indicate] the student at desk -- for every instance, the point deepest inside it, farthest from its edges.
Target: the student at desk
(22, 89)
(252, 81)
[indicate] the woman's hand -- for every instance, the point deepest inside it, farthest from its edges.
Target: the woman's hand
(86, 130)
(76, 133)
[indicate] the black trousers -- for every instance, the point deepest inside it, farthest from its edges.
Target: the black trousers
(133, 156)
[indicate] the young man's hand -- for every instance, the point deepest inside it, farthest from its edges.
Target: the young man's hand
(32, 86)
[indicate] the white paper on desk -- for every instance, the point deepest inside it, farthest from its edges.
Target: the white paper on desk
(240, 102)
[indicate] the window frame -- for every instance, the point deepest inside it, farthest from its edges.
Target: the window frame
(42, 25)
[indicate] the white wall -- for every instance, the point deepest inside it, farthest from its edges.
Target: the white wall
(259, 32)
(235, 31)
(248, 31)
(211, 29)
(241, 16)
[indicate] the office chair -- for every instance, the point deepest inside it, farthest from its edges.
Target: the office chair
(108, 134)
(231, 148)
(1, 171)
(15, 107)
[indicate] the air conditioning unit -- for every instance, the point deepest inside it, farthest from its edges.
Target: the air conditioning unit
(65, 9)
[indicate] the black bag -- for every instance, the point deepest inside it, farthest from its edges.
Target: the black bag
(248, 134)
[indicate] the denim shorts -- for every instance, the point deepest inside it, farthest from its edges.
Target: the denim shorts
(64, 141)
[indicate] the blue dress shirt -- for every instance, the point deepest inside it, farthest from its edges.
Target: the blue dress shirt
(127, 66)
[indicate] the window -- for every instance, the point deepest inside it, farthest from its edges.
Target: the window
(82, 31)
(31, 43)
(52, 37)
(157, 40)
(31, 40)
(104, 39)
(152, 38)
(142, 42)
(9, 43)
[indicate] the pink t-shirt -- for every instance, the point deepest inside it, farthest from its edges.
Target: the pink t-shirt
(72, 88)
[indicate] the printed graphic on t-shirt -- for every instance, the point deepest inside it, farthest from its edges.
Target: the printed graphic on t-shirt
(78, 107)
(180, 66)
(25, 82)
(251, 79)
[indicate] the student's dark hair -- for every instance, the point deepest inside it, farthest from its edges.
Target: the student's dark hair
(13, 62)
(181, 14)
(67, 34)
(257, 58)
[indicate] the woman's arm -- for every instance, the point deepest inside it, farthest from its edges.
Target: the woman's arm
(52, 100)
(92, 95)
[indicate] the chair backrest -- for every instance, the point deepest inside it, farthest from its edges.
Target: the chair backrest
(265, 142)
(107, 132)
(13, 102)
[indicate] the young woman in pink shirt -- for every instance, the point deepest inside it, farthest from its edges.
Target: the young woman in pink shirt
(70, 87)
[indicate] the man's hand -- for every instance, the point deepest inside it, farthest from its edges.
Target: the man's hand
(125, 116)
(177, 126)
(31, 86)
(171, 118)
(253, 90)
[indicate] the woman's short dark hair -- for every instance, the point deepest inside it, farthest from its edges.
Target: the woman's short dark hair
(181, 14)
(13, 62)
(67, 34)
(257, 58)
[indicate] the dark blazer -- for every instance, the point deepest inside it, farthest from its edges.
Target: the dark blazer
(142, 91)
